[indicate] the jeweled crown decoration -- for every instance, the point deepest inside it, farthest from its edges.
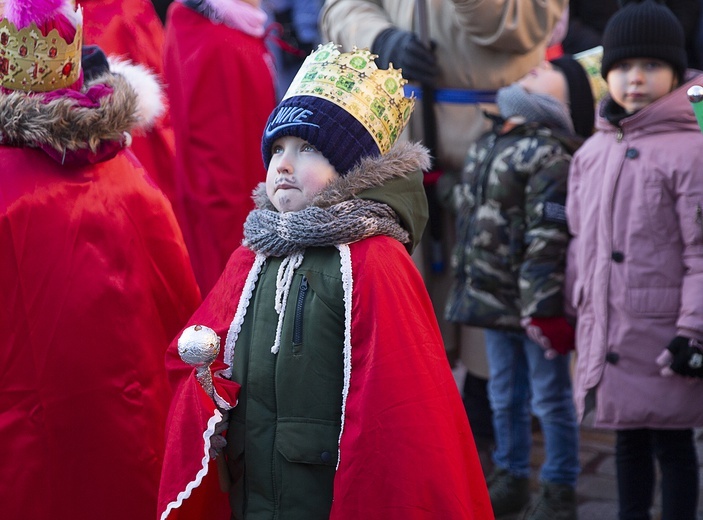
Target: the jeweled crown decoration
(30, 61)
(352, 81)
(590, 60)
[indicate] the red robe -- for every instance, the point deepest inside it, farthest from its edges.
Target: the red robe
(95, 282)
(406, 449)
(221, 92)
(131, 29)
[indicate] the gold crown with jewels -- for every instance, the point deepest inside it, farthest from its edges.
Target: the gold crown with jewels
(590, 60)
(352, 81)
(30, 61)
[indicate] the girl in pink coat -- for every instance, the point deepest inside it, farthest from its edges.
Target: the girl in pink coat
(634, 207)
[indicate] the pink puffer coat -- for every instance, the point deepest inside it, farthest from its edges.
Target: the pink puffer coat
(635, 208)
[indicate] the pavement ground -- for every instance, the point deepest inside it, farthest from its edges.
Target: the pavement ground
(596, 489)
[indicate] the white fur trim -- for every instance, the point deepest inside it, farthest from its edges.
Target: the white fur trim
(348, 287)
(236, 325)
(147, 86)
(74, 14)
(183, 495)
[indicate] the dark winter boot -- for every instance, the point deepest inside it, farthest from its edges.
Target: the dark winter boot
(554, 502)
(509, 494)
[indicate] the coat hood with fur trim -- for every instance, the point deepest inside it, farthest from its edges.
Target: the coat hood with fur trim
(65, 125)
(394, 179)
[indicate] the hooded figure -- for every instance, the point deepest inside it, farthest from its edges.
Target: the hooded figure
(95, 279)
(220, 85)
(131, 29)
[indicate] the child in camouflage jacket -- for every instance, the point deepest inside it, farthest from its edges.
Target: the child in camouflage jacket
(509, 263)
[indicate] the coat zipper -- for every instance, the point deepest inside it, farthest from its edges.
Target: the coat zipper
(299, 307)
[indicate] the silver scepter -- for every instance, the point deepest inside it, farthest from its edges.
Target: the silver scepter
(199, 346)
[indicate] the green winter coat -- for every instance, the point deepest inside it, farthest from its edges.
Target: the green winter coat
(512, 236)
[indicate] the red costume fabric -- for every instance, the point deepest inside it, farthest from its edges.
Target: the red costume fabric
(191, 424)
(406, 449)
(221, 91)
(95, 283)
(131, 29)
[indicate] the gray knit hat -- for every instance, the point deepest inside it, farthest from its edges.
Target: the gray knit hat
(644, 29)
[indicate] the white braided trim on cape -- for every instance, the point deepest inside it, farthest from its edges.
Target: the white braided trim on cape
(348, 286)
(204, 462)
(220, 401)
(236, 325)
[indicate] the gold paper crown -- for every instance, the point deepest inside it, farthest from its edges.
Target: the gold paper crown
(591, 60)
(32, 62)
(352, 81)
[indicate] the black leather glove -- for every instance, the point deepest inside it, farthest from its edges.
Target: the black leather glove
(687, 356)
(405, 51)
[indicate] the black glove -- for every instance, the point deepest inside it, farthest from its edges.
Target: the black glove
(405, 51)
(687, 356)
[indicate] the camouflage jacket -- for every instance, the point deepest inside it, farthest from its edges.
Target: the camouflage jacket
(509, 258)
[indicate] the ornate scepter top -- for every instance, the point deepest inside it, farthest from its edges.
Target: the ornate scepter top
(199, 346)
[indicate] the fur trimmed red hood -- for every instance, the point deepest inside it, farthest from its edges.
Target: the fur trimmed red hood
(109, 109)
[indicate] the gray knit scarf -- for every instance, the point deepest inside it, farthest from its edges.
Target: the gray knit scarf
(514, 100)
(281, 234)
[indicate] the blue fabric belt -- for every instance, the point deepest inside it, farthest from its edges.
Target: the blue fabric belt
(454, 95)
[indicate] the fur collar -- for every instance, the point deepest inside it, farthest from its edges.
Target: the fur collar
(27, 120)
(371, 172)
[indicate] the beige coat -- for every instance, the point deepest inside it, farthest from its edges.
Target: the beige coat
(481, 44)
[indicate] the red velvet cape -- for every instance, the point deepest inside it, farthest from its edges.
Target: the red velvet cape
(221, 92)
(406, 451)
(132, 30)
(95, 281)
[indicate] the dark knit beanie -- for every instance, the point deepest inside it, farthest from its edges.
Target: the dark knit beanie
(581, 104)
(338, 135)
(644, 29)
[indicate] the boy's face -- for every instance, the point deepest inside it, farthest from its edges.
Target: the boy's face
(546, 79)
(634, 83)
(297, 172)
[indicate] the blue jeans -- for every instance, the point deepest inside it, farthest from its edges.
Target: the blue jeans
(522, 382)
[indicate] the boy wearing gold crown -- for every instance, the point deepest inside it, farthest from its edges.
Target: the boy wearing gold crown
(95, 279)
(348, 408)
